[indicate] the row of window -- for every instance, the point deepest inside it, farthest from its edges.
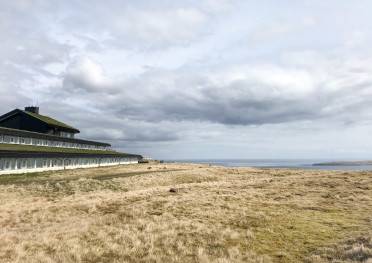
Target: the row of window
(32, 163)
(60, 133)
(39, 142)
(67, 134)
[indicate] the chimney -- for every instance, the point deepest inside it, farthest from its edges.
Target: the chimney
(32, 109)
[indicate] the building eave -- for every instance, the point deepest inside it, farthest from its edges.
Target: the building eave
(44, 136)
(42, 154)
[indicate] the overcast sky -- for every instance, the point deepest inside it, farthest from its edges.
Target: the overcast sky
(196, 79)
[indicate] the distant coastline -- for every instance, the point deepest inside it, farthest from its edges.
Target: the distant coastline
(312, 164)
(344, 163)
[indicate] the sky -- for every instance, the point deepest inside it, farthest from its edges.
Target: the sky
(196, 79)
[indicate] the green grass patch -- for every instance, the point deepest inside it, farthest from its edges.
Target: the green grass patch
(17, 147)
(23, 178)
(293, 235)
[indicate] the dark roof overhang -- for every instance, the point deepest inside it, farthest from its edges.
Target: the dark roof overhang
(31, 154)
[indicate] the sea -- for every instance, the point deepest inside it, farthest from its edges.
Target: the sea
(277, 163)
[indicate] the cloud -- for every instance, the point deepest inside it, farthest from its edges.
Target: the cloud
(83, 74)
(25, 39)
(243, 94)
(139, 25)
(178, 74)
(218, 6)
(154, 29)
(103, 126)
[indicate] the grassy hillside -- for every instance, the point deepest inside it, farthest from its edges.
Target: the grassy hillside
(216, 214)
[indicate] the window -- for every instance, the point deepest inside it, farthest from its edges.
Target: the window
(12, 139)
(6, 139)
(13, 162)
(39, 163)
(1, 138)
(30, 162)
(67, 134)
(7, 164)
(24, 163)
(22, 140)
(45, 163)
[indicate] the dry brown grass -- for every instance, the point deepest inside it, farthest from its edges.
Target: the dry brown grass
(127, 214)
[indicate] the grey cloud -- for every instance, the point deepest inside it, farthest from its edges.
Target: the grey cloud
(26, 38)
(84, 75)
(105, 127)
(74, 58)
(139, 25)
(26, 49)
(237, 95)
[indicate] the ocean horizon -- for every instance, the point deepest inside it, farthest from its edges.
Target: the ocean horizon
(277, 163)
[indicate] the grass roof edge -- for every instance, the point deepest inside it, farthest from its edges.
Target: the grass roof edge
(27, 148)
(50, 120)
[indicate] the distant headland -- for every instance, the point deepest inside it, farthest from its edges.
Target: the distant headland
(345, 163)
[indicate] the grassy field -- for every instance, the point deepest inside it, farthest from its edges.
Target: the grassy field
(216, 214)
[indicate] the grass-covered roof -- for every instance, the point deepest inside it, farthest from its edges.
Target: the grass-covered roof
(17, 147)
(50, 121)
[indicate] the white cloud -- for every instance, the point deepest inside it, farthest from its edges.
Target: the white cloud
(217, 6)
(89, 72)
(154, 29)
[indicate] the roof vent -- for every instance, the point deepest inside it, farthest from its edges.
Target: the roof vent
(32, 109)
